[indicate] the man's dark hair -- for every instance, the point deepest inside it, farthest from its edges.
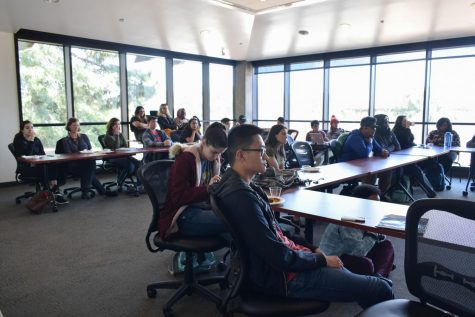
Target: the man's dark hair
(281, 120)
(365, 190)
(241, 137)
(314, 122)
(225, 120)
(216, 136)
(443, 121)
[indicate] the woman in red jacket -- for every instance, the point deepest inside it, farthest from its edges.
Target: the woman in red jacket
(196, 167)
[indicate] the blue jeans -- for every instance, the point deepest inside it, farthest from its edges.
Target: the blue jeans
(339, 285)
(195, 221)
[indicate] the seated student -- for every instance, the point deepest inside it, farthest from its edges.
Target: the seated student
(241, 120)
(315, 124)
(227, 123)
(403, 133)
(25, 142)
(76, 142)
(360, 143)
(138, 123)
(436, 137)
(275, 147)
(187, 208)
(334, 131)
(154, 138)
(114, 140)
(281, 121)
(181, 121)
(165, 120)
(191, 132)
(277, 265)
(362, 252)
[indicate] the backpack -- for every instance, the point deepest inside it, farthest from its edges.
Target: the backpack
(338, 145)
(436, 176)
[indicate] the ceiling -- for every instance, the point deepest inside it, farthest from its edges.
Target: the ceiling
(251, 29)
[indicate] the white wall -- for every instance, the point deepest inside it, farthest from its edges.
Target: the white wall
(9, 115)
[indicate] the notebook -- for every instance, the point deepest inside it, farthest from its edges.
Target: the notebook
(316, 138)
(397, 222)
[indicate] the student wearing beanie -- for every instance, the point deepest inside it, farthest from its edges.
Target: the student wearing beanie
(334, 131)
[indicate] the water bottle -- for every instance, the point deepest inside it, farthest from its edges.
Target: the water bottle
(448, 139)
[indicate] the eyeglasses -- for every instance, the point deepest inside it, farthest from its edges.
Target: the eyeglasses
(262, 150)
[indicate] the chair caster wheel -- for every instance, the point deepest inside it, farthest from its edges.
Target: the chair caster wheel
(151, 292)
(221, 266)
(448, 187)
(167, 312)
(464, 193)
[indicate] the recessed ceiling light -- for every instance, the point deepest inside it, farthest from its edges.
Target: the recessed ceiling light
(303, 32)
(345, 25)
(51, 1)
(121, 20)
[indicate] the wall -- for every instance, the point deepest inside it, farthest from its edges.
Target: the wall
(9, 117)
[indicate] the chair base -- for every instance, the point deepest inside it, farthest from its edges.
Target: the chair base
(401, 307)
(25, 195)
(73, 190)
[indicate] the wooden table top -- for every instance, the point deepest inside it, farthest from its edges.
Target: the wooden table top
(377, 164)
(56, 158)
(330, 208)
(425, 152)
(332, 174)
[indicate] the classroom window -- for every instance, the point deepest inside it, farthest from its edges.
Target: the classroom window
(270, 97)
(42, 81)
(96, 87)
(188, 87)
(146, 82)
(221, 87)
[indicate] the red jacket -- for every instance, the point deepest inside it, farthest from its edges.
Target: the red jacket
(183, 189)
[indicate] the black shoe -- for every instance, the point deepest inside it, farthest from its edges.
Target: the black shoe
(86, 195)
(110, 193)
(60, 200)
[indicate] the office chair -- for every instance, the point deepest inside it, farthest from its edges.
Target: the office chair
(70, 191)
(154, 177)
(176, 135)
(122, 180)
(22, 179)
(239, 299)
(304, 153)
(293, 133)
(438, 263)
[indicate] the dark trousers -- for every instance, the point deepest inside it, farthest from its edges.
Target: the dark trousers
(128, 165)
(446, 160)
(53, 172)
(86, 170)
(416, 172)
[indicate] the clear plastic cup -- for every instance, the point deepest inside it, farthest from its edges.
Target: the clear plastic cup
(275, 191)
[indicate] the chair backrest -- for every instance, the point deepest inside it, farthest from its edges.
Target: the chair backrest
(11, 147)
(304, 153)
(101, 138)
(440, 254)
(59, 147)
(236, 271)
(176, 135)
(293, 133)
(154, 177)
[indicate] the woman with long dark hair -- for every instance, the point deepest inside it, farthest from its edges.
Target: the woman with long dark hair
(275, 147)
(191, 132)
(138, 123)
(436, 137)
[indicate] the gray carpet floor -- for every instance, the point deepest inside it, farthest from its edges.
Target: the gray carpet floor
(90, 259)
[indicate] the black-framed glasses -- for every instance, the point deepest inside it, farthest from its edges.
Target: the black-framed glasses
(262, 150)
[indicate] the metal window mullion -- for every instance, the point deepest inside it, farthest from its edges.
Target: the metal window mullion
(372, 86)
(326, 94)
(169, 81)
(124, 106)
(425, 109)
(206, 93)
(68, 80)
(286, 96)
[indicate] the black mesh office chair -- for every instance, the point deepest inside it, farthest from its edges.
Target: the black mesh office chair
(23, 179)
(70, 191)
(293, 133)
(154, 177)
(122, 180)
(304, 153)
(239, 299)
(438, 263)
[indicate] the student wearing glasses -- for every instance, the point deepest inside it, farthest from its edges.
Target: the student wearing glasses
(278, 265)
(187, 208)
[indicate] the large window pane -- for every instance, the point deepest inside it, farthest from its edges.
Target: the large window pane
(349, 92)
(49, 136)
(400, 90)
(42, 80)
(306, 95)
(451, 93)
(270, 96)
(96, 85)
(188, 87)
(146, 82)
(221, 84)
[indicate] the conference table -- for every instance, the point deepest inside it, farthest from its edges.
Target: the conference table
(428, 152)
(44, 160)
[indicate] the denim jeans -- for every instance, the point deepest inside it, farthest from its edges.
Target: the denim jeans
(195, 221)
(339, 285)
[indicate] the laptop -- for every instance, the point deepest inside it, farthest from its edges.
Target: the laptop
(317, 138)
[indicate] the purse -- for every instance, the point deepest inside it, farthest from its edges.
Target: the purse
(38, 202)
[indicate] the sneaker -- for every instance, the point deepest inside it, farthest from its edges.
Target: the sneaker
(60, 200)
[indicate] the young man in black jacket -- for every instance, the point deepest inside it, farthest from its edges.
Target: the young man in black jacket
(277, 265)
